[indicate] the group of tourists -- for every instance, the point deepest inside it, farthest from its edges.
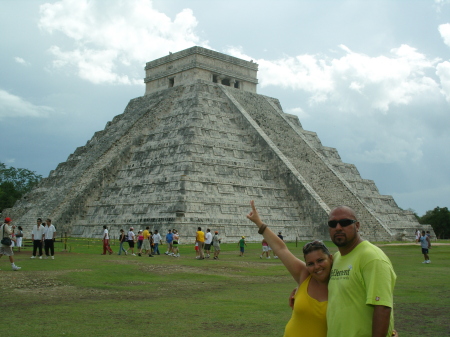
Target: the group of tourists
(203, 243)
(41, 235)
(146, 241)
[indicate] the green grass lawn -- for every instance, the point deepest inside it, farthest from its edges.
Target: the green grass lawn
(82, 293)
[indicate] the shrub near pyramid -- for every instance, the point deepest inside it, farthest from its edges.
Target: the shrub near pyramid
(193, 151)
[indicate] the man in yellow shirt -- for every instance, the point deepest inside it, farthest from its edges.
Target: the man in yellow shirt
(200, 240)
(146, 243)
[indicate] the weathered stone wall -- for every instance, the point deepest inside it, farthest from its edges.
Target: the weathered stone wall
(195, 155)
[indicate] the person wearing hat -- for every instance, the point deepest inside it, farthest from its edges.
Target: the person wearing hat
(216, 244)
(241, 245)
(7, 250)
(37, 235)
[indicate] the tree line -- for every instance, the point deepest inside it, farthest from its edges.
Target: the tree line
(14, 183)
(439, 219)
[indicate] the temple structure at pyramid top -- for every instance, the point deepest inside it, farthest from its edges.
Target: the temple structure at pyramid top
(193, 151)
(199, 63)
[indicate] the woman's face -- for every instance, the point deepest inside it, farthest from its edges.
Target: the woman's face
(319, 265)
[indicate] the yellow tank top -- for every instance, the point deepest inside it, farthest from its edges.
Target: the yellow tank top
(309, 317)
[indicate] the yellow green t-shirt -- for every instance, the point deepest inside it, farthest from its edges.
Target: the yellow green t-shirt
(145, 234)
(358, 281)
(200, 236)
(309, 317)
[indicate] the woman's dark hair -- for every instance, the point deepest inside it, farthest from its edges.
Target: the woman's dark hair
(19, 228)
(313, 246)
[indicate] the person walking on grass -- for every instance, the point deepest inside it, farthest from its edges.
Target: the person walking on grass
(156, 241)
(131, 238)
(425, 244)
(265, 249)
(169, 240)
(106, 246)
(19, 237)
(146, 247)
(37, 235)
(122, 240)
(49, 239)
(241, 245)
(216, 245)
(175, 242)
(7, 231)
(208, 241)
(200, 240)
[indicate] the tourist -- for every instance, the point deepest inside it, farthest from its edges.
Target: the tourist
(49, 239)
(208, 241)
(169, 241)
(241, 245)
(140, 240)
(425, 244)
(175, 242)
(200, 240)
(197, 254)
(122, 240)
(282, 239)
(156, 241)
(131, 238)
(37, 236)
(362, 282)
(19, 238)
(216, 245)
(310, 314)
(417, 233)
(106, 246)
(6, 231)
(146, 247)
(265, 249)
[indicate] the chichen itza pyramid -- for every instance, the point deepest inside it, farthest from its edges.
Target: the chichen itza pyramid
(193, 151)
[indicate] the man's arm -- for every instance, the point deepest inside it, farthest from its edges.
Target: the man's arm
(380, 320)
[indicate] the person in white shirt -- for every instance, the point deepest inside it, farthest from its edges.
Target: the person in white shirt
(7, 250)
(208, 241)
(131, 239)
(106, 246)
(156, 241)
(49, 239)
(37, 235)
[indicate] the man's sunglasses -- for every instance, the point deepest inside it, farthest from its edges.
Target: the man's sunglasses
(342, 222)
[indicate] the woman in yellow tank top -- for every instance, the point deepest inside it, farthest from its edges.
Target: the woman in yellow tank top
(310, 304)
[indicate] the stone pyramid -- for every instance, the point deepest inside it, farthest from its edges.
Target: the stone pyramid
(193, 151)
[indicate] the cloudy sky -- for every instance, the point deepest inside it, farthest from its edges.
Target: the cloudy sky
(372, 78)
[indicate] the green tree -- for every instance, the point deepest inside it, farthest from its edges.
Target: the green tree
(439, 219)
(14, 183)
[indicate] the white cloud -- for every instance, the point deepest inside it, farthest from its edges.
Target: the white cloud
(109, 39)
(380, 81)
(443, 71)
(21, 61)
(438, 4)
(14, 106)
(444, 30)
